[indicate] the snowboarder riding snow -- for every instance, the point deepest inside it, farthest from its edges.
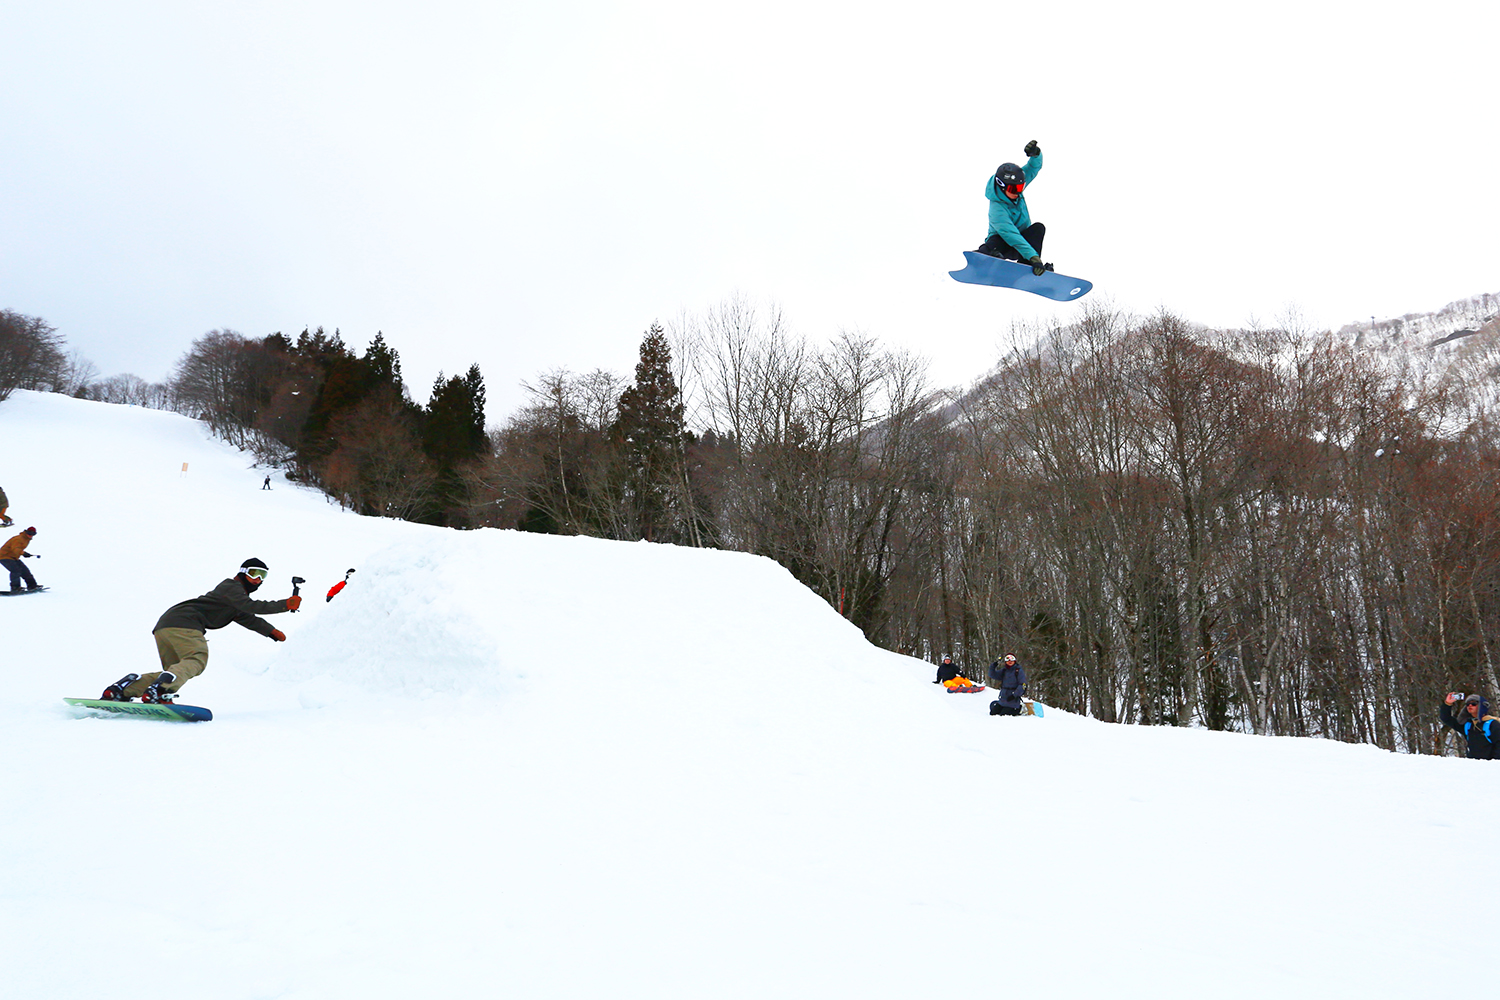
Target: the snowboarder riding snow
(180, 641)
(1013, 236)
(11, 554)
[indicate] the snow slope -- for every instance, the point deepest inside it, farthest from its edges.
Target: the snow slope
(521, 766)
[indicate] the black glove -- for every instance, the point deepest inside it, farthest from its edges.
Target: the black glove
(1032, 149)
(1037, 267)
(31, 555)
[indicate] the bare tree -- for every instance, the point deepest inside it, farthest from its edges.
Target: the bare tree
(31, 354)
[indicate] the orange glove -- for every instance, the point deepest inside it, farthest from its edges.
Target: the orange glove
(294, 602)
(278, 635)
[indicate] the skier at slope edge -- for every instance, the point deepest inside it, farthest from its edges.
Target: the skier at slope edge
(1013, 236)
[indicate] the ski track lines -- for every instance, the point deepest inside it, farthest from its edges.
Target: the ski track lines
(514, 765)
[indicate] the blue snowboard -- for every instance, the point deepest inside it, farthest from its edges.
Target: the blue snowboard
(982, 269)
(168, 713)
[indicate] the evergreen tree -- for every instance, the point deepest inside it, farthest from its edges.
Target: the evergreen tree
(383, 362)
(652, 432)
(453, 436)
(454, 431)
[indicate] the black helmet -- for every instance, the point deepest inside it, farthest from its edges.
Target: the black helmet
(1008, 173)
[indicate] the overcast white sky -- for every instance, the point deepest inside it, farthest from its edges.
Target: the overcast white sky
(530, 185)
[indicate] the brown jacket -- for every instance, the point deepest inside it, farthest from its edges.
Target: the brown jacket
(13, 548)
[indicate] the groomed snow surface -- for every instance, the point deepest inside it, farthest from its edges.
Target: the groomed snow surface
(521, 766)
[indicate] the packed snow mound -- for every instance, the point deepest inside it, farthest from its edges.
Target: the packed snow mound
(478, 612)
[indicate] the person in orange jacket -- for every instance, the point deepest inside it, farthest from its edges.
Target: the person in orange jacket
(11, 554)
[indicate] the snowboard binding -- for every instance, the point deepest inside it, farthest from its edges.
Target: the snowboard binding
(154, 694)
(116, 691)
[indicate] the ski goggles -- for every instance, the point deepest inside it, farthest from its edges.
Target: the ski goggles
(254, 572)
(1014, 190)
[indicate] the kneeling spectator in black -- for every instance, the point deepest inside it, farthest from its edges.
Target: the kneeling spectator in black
(1475, 724)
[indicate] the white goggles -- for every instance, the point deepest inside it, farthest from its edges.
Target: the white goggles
(254, 572)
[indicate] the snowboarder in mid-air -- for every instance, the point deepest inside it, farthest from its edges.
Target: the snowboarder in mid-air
(180, 641)
(1013, 236)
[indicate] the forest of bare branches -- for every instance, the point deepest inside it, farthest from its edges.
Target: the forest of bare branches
(1264, 530)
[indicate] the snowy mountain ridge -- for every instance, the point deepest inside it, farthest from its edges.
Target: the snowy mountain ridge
(1414, 333)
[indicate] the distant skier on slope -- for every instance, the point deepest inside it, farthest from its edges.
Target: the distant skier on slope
(180, 640)
(1013, 236)
(11, 554)
(1010, 679)
(1475, 724)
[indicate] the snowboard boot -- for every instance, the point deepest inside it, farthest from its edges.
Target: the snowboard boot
(116, 691)
(154, 694)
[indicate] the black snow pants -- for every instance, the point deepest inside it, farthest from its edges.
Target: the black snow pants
(996, 246)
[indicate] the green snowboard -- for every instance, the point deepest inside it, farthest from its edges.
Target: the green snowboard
(171, 713)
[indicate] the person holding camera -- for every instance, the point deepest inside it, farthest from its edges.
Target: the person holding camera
(1010, 680)
(1474, 723)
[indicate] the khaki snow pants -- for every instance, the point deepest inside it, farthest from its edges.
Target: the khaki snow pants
(183, 651)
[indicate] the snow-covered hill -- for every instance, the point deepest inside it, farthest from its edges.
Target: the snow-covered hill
(531, 767)
(1416, 333)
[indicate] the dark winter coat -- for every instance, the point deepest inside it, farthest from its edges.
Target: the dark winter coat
(228, 602)
(1010, 679)
(946, 672)
(1482, 735)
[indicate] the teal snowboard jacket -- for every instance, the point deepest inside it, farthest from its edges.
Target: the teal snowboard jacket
(1008, 218)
